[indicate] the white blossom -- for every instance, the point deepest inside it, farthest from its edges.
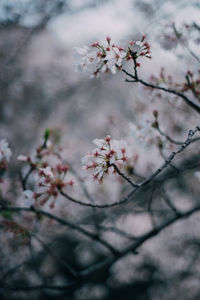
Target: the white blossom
(140, 48)
(5, 152)
(144, 133)
(22, 158)
(114, 58)
(101, 159)
(88, 59)
(47, 172)
(98, 59)
(147, 134)
(29, 198)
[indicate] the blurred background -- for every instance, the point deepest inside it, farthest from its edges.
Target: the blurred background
(40, 89)
(39, 86)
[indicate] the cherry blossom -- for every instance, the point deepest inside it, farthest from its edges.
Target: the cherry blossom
(29, 197)
(108, 152)
(139, 48)
(47, 172)
(171, 37)
(22, 158)
(145, 133)
(48, 183)
(98, 59)
(113, 59)
(89, 59)
(5, 152)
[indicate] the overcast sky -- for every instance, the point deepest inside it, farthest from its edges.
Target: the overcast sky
(120, 19)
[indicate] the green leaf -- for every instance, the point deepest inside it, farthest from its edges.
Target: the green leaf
(46, 134)
(6, 214)
(46, 137)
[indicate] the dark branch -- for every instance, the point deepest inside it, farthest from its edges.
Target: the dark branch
(170, 91)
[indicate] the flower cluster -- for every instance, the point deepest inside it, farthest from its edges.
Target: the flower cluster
(5, 152)
(162, 79)
(49, 170)
(98, 58)
(165, 81)
(139, 48)
(192, 32)
(169, 37)
(101, 159)
(184, 35)
(17, 229)
(147, 134)
(192, 83)
(144, 133)
(49, 182)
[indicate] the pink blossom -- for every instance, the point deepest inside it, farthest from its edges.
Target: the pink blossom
(108, 152)
(98, 59)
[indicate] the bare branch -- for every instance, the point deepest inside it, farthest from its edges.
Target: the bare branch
(170, 91)
(61, 221)
(141, 184)
(110, 260)
(131, 182)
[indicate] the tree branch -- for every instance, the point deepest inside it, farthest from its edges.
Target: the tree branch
(170, 91)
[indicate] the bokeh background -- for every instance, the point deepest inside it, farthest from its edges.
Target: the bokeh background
(39, 89)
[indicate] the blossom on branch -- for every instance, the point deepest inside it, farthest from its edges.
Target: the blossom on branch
(108, 152)
(48, 183)
(139, 48)
(49, 173)
(97, 59)
(5, 152)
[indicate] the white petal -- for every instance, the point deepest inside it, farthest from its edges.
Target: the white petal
(47, 171)
(113, 69)
(28, 193)
(29, 202)
(22, 157)
(112, 160)
(99, 142)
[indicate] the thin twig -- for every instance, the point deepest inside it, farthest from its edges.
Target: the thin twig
(26, 177)
(131, 182)
(58, 259)
(168, 201)
(192, 88)
(171, 157)
(170, 91)
(61, 221)
(141, 184)
(110, 260)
